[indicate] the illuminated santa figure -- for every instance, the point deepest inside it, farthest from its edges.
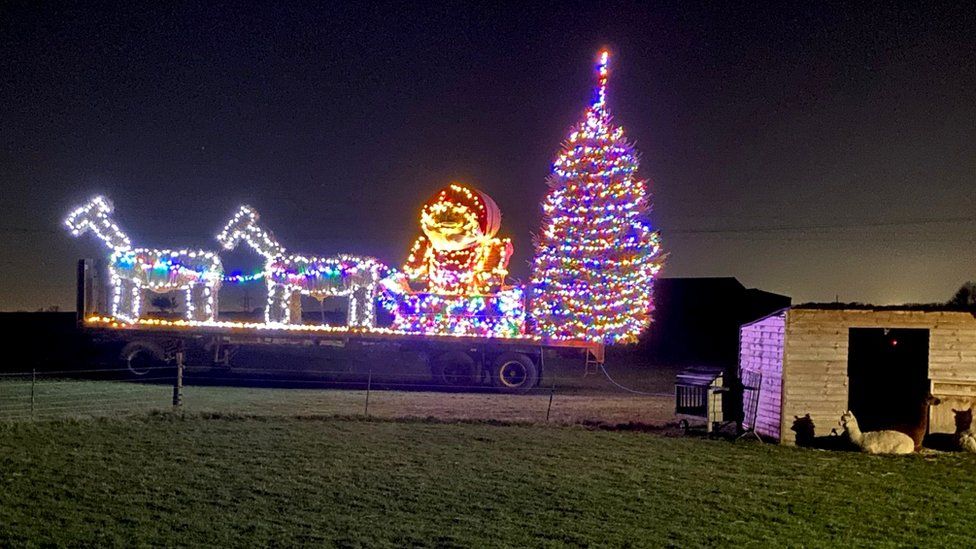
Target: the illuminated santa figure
(454, 278)
(458, 252)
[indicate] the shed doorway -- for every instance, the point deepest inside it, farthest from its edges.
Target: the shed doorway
(887, 371)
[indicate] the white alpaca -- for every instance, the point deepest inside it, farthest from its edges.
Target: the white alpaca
(876, 442)
(196, 272)
(967, 441)
(291, 275)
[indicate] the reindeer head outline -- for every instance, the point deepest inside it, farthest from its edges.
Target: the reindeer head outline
(244, 226)
(94, 215)
(236, 229)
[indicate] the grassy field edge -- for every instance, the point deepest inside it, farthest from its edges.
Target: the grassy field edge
(164, 479)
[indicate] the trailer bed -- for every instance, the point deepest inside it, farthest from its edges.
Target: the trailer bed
(258, 332)
(510, 364)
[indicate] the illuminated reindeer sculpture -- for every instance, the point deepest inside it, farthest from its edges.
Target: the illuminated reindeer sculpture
(289, 276)
(133, 270)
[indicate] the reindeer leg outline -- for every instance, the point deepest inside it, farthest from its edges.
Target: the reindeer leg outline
(294, 301)
(370, 304)
(361, 307)
(127, 303)
(211, 293)
(279, 297)
(135, 305)
(352, 315)
(191, 303)
(118, 295)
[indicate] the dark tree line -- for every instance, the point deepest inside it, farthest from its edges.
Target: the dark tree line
(965, 296)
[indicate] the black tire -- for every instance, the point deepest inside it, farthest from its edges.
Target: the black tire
(514, 373)
(454, 369)
(142, 358)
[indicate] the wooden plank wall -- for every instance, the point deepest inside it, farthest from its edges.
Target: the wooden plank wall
(958, 394)
(815, 360)
(761, 350)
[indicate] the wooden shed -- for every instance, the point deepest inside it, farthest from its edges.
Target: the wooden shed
(879, 362)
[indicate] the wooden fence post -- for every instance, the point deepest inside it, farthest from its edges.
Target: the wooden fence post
(33, 381)
(178, 384)
(369, 384)
(552, 391)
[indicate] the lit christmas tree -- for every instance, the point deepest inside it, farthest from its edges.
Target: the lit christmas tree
(597, 256)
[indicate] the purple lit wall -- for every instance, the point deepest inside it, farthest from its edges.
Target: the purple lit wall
(761, 350)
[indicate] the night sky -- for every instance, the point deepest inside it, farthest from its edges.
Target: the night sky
(822, 151)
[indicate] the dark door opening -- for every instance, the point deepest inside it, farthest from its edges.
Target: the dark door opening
(887, 371)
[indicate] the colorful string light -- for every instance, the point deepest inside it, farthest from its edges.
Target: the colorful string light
(597, 256)
(595, 261)
(240, 278)
(459, 268)
(289, 276)
(501, 314)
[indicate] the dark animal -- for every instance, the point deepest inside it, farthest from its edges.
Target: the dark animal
(918, 422)
(965, 437)
(806, 436)
(964, 419)
(951, 442)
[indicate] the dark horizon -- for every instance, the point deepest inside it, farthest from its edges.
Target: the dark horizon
(822, 151)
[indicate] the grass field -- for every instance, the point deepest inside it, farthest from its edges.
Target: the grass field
(61, 398)
(170, 480)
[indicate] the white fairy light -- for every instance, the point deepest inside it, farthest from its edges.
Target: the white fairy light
(132, 271)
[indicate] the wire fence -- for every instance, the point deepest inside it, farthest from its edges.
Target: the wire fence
(103, 392)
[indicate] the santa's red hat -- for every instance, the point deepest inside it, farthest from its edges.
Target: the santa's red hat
(489, 216)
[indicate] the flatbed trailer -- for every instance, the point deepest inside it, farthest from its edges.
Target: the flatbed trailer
(508, 364)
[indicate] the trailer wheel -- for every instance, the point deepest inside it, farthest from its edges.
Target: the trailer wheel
(455, 368)
(514, 373)
(142, 357)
